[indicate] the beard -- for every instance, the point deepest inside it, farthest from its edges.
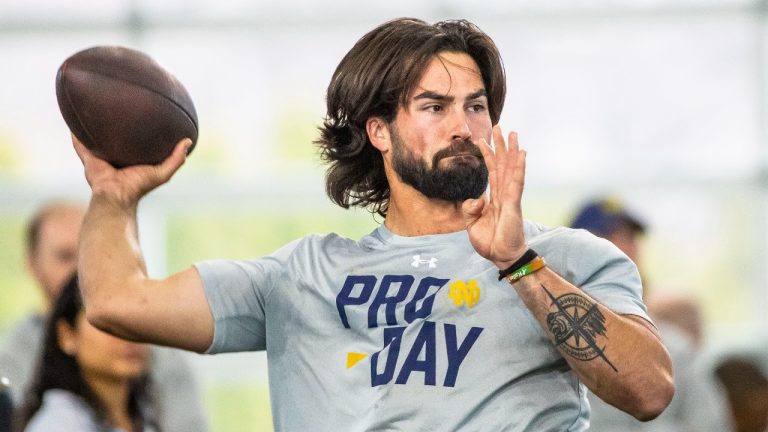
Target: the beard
(461, 178)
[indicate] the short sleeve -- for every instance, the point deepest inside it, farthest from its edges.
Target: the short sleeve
(596, 266)
(237, 292)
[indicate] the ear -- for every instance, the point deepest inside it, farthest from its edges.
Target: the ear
(67, 337)
(378, 133)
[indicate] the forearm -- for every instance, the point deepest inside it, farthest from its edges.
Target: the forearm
(118, 295)
(620, 358)
(110, 260)
(121, 299)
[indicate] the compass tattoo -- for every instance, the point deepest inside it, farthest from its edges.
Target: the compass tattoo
(577, 325)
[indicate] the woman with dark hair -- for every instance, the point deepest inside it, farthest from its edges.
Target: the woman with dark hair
(86, 380)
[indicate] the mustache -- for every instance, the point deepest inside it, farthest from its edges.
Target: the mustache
(456, 148)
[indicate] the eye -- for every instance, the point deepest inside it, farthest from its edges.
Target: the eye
(477, 107)
(434, 108)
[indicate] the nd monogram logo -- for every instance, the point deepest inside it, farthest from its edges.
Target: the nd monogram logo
(462, 292)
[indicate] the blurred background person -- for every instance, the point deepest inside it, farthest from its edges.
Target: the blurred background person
(6, 407)
(698, 404)
(86, 380)
(747, 388)
(607, 218)
(680, 311)
(52, 237)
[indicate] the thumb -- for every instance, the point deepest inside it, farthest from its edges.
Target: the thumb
(173, 162)
(471, 210)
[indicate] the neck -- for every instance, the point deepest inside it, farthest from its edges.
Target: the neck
(114, 395)
(410, 213)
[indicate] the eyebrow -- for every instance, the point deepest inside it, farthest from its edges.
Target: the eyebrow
(428, 94)
(478, 94)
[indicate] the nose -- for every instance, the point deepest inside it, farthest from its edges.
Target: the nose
(460, 126)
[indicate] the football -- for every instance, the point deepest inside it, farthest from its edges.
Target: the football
(123, 106)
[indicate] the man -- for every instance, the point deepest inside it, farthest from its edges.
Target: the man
(697, 404)
(52, 251)
(412, 327)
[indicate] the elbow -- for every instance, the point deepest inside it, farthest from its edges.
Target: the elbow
(101, 311)
(99, 316)
(112, 311)
(653, 399)
(94, 302)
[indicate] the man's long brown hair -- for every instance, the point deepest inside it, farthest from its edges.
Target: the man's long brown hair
(374, 79)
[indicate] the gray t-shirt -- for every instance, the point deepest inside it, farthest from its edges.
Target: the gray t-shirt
(62, 411)
(410, 333)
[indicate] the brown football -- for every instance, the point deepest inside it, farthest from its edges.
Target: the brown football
(124, 106)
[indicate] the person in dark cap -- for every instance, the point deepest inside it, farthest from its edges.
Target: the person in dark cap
(609, 218)
(697, 404)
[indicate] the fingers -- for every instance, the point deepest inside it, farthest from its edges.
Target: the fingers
(173, 162)
(516, 171)
(513, 146)
(519, 176)
(86, 156)
(517, 160)
(80, 149)
(500, 148)
(520, 167)
(92, 165)
(512, 157)
(506, 166)
(490, 163)
(136, 180)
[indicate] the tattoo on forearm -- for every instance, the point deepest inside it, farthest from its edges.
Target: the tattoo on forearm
(576, 324)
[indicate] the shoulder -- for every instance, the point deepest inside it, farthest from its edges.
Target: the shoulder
(62, 411)
(289, 259)
(593, 264)
(537, 232)
(563, 241)
(314, 245)
(262, 274)
(330, 240)
(581, 257)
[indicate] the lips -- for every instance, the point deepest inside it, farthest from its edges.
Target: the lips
(460, 156)
(460, 149)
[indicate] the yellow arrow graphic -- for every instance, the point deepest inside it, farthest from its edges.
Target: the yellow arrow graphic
(353, 358)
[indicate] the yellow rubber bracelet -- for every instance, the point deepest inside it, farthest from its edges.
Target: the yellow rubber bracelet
(535, 265)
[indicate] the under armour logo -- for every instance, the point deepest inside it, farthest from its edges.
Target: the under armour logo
(417, 261)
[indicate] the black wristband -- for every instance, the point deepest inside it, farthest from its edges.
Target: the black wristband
(527, 257)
